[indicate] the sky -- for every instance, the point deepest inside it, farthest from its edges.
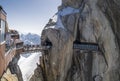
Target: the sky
(29, 15)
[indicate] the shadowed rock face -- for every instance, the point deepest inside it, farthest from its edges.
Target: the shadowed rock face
(14, 68)
(13, 72)
(73, 3)
(97, 22)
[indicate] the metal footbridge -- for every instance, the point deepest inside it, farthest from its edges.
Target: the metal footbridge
(34, 48)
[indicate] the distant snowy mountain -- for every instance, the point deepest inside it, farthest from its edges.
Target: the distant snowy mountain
(30, 38)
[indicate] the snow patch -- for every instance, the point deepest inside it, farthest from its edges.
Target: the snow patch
(54, 18)
(57, 17)
(67, 11)
(59, 23)
(28, 65)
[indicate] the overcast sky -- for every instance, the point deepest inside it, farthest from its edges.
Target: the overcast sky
(29, 15)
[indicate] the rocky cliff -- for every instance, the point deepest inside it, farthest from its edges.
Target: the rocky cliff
(13, 72)
(91, 21)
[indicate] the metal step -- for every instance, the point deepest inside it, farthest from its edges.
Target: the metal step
(86, 46)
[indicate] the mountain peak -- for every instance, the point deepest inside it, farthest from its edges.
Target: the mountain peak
(30, 38)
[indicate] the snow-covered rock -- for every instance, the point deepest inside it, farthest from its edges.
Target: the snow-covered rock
(68, 11)
(28, 65)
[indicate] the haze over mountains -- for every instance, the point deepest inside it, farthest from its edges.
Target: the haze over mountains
(30, 38)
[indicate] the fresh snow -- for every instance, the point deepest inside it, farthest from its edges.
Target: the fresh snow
(54, 18)
(28, 63)
(63, 12)
(59, 23)
(57, 17)
(67, 11)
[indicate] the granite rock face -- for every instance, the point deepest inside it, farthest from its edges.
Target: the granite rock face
(93, 21)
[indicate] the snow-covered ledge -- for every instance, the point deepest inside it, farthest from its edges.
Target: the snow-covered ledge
(56, 19)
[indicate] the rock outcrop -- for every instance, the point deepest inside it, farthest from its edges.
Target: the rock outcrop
(14, 67)
(13, 72)
(91, 21)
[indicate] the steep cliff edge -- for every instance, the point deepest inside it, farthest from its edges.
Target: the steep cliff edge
(93, 21)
